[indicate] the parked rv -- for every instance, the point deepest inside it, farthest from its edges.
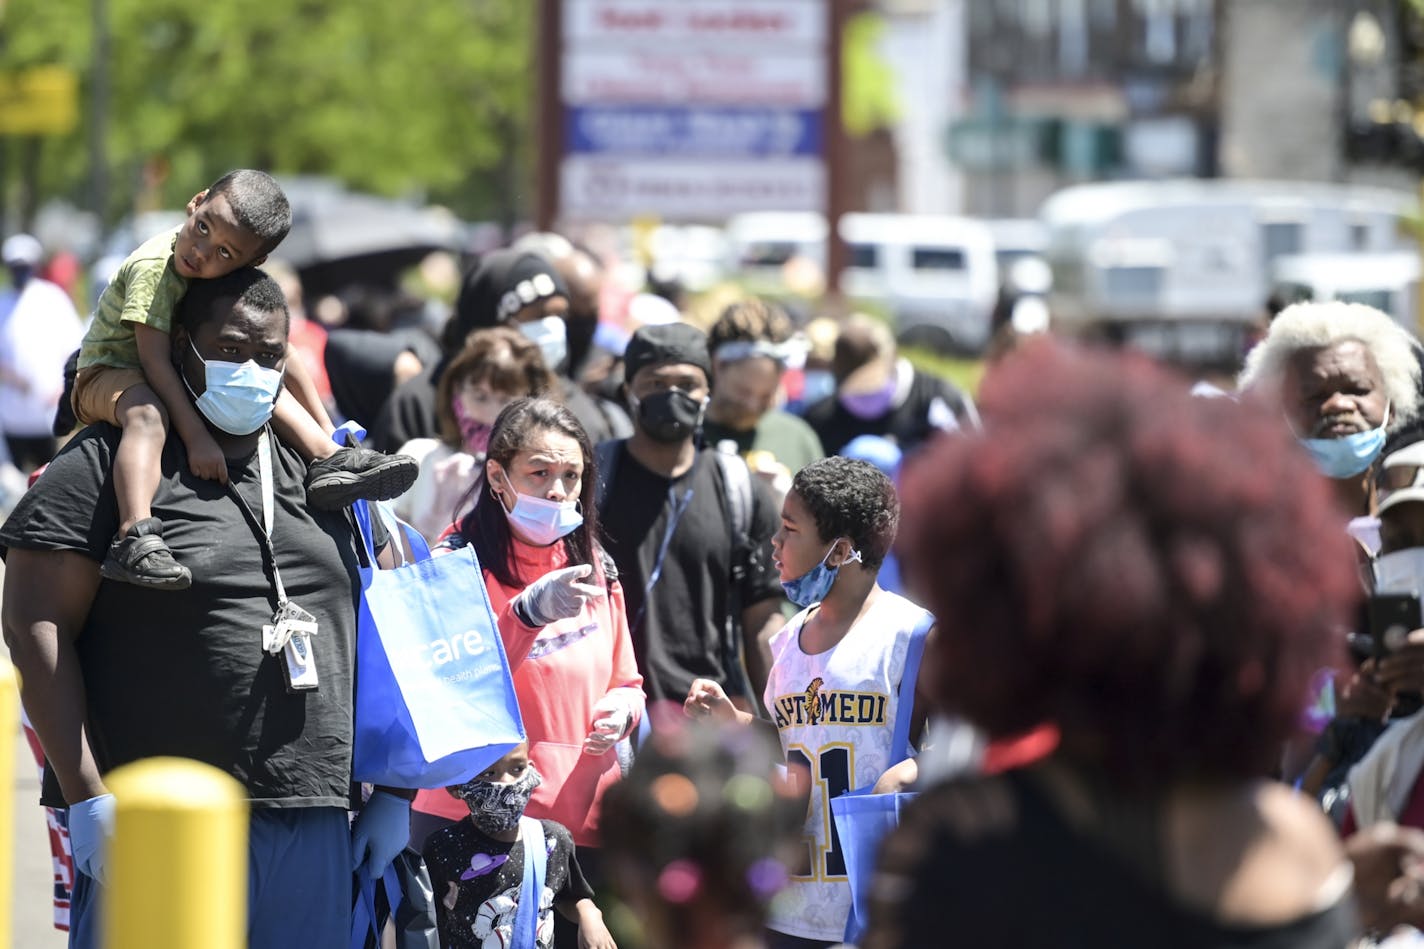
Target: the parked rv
(1186, 266)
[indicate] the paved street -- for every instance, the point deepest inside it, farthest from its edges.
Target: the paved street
(34, 912)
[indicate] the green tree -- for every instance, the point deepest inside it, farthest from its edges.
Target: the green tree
(432, 99)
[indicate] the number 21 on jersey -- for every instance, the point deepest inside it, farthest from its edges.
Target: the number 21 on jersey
(831, 771)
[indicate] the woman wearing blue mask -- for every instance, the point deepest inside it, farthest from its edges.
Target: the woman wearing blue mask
(834, 687)
(1346, 376)
(560, 611)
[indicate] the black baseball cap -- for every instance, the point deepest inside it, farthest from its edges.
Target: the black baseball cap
(666, 343)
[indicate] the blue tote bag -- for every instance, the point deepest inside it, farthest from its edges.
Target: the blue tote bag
(435, 702)
(863, 819)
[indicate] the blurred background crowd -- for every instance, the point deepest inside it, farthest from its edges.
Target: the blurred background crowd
(960, 172)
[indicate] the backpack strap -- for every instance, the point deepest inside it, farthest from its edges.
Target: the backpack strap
(737, 488)
(737, 479)
(531, 888)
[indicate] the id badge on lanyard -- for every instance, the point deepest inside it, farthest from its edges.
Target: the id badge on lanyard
(292, 628)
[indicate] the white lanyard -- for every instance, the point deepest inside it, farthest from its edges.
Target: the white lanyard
(292, 627)
(264, 473)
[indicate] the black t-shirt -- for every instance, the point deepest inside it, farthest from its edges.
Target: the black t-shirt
(183, 672)
(931, 405)
(992, 862)
(484, 875)
(681, 633)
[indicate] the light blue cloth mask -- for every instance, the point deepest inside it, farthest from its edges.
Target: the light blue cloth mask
(1347, 456)
(812, 586)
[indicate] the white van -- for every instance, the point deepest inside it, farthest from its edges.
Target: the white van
(936, 274)
(759, 244)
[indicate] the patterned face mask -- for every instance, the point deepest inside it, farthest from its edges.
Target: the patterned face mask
(496, 808)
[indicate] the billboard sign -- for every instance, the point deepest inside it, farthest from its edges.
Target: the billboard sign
(692, 110)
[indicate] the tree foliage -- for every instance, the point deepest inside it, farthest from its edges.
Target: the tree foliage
(432, 98)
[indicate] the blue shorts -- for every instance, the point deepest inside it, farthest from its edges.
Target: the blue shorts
(298, 883)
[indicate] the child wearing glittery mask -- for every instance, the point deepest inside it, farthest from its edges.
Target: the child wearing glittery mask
(495, 367)
(699, 836)
(477, 866)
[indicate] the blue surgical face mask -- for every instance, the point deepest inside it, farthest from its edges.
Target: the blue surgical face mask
(239, 397)
(818, 384)
(551, 335)
(812, 586)
(540, 521)
(1350, 455)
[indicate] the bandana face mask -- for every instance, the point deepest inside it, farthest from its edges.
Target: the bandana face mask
(474, 434)
(496, 808)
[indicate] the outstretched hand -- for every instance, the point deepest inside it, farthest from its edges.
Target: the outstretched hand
(707, 699)
(557, 595)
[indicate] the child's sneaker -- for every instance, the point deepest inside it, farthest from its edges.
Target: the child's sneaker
(358, 474)
(142, 558)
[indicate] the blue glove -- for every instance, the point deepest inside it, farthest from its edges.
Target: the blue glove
(381, 831)
(91, 825)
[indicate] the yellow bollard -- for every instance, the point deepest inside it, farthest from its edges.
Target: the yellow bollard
(9, 727)
(178, 864)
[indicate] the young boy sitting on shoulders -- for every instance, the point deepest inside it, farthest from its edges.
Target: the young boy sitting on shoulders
(834, 684)
(126, 378)
(477, 865)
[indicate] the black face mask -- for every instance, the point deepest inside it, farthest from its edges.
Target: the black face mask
(670, 416)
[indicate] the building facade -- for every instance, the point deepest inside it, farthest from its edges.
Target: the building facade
(1065, 91)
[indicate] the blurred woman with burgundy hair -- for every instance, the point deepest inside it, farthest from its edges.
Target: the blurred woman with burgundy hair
(1157, 576)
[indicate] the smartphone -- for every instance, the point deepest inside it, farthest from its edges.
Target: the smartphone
(1392, 617)
(1361, 645)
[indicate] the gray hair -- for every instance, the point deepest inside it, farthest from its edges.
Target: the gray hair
(1318, 325)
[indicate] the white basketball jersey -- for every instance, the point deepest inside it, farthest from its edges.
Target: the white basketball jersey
(835, 713)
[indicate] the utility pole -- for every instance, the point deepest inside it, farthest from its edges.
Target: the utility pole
(99, 113)
(548, 113)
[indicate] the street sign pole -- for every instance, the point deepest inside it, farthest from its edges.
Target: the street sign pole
(549, 140)
(837, 173)
(99, 113)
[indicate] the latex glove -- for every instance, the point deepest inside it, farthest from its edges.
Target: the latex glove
(381, 831)
(612, 717)
(556, 595)
(91, 826)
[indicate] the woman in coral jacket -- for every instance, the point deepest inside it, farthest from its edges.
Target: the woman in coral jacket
(560, 613)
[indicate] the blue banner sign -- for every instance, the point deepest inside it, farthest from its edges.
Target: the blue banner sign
(692, 132)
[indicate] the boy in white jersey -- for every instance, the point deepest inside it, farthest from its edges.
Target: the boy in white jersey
(833, 690)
